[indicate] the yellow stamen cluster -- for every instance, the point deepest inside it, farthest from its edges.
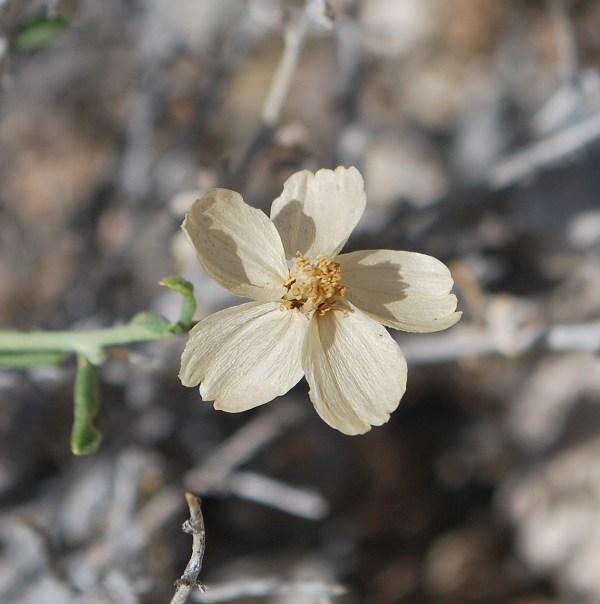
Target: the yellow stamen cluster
(314, 286)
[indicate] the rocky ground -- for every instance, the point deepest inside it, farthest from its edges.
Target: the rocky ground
(475, 124)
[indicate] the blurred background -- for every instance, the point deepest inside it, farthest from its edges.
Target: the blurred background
(475, 124)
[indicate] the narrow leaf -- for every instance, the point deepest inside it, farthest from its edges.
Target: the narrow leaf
(85, 437)
(37, 32)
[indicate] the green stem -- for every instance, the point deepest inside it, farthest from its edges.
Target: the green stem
(22, 341)
(29, 348)
(142, 328)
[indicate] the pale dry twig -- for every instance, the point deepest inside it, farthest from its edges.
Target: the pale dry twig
(219, 473)
(194, 526)
(272, 587)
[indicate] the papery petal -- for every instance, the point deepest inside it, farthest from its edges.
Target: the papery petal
(316, 213)
(238, 246)
(245, 356)
(356, 372)
(403, 290)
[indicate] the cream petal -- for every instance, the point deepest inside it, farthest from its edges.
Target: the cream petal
(356, 372)
(245, 356)
(403, 290)
(238, 246)
(316, 213)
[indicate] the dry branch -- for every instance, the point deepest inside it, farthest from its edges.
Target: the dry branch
(195, 527)
(219, 473)
(270, 587)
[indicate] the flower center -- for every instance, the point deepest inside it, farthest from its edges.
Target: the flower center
(314, 286)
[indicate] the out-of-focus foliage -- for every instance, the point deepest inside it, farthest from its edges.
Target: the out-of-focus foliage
(38, 32)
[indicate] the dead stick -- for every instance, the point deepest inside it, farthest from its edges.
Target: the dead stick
(195, 527)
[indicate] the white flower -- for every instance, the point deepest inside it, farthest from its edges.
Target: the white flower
(315, 313)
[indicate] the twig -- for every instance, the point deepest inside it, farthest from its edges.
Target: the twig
(270, 587)
(125, 535)
(158, 510)
(554, 147)
(474, 341)
(294, 38)
(566, 42)
(195, 527)
(243, 445)
(219, 474)
(546, 151)
(280, 85)
(299, 502)
(29, 555)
